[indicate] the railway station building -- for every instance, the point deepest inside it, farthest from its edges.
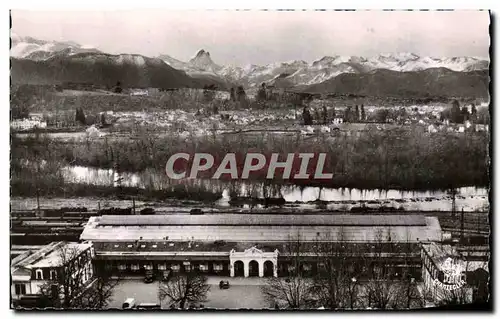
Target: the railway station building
(253, 244)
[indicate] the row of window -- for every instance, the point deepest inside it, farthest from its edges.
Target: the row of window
(39, 274)
(174, 267)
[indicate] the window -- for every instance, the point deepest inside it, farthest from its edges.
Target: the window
(116, 246)
(53, 275)
(122, 267)
(218, 267)
(143, 246)
(39, 274)
(134, 267)
(162, 267)
(154, 246)
(20, 289)
(129, 246)
(203, 267)
(176, 267)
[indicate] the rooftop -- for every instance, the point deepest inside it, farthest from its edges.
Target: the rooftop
(262, 228)
(261, 219)
(51, 255)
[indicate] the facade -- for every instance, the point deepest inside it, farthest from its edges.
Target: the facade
(248, 244)
(338, 120)
(33, 270)
(27, 124)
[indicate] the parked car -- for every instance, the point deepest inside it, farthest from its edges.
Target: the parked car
(129, 303)
(149, 278)
(224, 284)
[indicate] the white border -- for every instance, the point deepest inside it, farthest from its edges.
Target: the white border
(190, 4)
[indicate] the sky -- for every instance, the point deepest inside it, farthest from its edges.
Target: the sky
(260, 37)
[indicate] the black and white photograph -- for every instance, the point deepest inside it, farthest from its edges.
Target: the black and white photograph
(271, 160)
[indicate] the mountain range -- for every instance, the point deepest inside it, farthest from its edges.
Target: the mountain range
(37, 61)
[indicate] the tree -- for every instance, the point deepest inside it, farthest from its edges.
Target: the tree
(483, 115)
(306, 115)
(317, 115)
(73, 284)
(102, 288)
(232, 95)
(241, 96)
(465, 113)
(473, 110)
(183, 289)
(118, 87)
(356, 113)
(348, 114)
(19, 103)
(363, 115)
(382, 291)
(409, 297)
(335, 284)
(381, 115)
(80, 116)
(261, 93)
(293, 290)
(325, 115)
(209, 92)
(456, 114)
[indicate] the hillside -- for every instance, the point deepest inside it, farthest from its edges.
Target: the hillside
(100, 69)
(440, 82)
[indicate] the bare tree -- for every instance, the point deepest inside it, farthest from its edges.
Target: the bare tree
(293, 290)
(408, 296)
(184, 289)
(69, 279)
(335, 284)
(101, 290)
(382, 291)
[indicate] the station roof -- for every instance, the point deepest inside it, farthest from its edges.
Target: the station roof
(262, 220)
(262, 228)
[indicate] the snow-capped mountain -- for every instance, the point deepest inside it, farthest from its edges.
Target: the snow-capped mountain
(302, 73)
(202, 61)
(203, 70)
(35, 49)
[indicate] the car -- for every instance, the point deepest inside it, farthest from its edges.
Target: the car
(149, 278)
(129, 303)
(224, 284)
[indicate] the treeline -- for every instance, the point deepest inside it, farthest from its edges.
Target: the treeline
(401, 159)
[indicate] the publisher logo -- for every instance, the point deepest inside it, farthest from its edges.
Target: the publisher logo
(453, 275)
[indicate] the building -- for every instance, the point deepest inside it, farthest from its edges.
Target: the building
(33, 270)
(27, 124)
(249, 244)
(338, 120)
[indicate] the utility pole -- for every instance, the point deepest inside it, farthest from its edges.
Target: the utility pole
(462, 227)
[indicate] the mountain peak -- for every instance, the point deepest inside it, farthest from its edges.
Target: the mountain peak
(203, 61)
(202, 53)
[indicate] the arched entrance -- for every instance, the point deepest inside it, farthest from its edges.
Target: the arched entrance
(253, 269)
(239, 270)
(268, 269)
